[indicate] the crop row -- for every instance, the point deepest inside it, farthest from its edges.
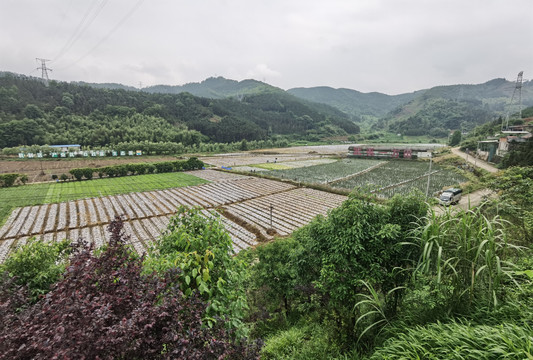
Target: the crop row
(33, 220)
(438, 181)
(396, 172)
(391, 173)
(307, 163)
(326, 172)
(290, 210)
(246, 199)
(141, 233)
(214, 175)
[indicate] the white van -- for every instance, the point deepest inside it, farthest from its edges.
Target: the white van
(450, 197)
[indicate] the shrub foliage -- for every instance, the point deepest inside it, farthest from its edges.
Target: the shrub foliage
(104, 307)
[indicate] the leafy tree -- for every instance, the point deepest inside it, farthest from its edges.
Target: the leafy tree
(324, 264)
(77, 173)
(33, 112)
(273, 276)
(37, 265)
(456, 138)
(203, 250)
(520, 154)
(8, 180)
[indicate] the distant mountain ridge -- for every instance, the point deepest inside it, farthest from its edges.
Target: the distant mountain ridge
(442, 108)
(434, 110)
(216, 88)
(36, 112)
(364, 105)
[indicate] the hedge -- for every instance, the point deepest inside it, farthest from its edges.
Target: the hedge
(138, 169)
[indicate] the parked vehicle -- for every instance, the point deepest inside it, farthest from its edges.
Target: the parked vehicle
(450, 197)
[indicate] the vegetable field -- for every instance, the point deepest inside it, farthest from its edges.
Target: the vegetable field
(44, 193)
(325, 173)
(243, 201)
(386, 177)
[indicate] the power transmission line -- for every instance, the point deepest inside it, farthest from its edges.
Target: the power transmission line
(84, 24)
(108, 35)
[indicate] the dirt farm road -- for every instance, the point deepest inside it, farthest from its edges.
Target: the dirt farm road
(474, 161)
(468, 201)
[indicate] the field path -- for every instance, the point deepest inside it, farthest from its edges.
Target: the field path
(475, 161)
(468, 201)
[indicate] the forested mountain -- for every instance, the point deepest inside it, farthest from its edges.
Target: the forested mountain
(367, 106)
(425, 112)
(435, 116)
(443, 108)
(216, 88)
(32, 113)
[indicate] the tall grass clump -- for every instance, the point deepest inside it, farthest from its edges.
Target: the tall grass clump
(465, 259)
(460, 340)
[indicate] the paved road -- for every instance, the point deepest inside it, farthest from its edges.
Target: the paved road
(468, 201)
(476, 162)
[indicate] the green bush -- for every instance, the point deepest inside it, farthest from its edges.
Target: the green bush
(136, 169)
(150, 168)
(23, 178)
(37, 265)
(164, 166)
(88, 173)
(77, 173)
(121, 170)
(193, 164)
(203, 250)
(178, 165)
(8, 180)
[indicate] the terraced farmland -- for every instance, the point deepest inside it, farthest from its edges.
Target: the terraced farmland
(245, 202)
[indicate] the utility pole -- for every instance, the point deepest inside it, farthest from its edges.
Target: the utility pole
(44, 69)
(429, 174)
(271, 208)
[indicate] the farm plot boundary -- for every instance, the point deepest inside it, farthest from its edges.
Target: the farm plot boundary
(37, 194)
(147, 213)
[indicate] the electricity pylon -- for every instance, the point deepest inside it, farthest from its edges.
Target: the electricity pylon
(516, 100)
(44, 69)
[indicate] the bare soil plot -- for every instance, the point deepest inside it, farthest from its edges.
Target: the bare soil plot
(230, 160)
(33, 168)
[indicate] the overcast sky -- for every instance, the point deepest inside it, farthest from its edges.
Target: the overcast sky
(389, 46)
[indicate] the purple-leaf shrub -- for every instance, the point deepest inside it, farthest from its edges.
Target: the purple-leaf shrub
(104, 308)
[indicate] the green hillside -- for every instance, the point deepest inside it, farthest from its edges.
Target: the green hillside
(440, 109)
(435, 117)
(32, 113)
(425, 112)
(365, 106)
(216, 88)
